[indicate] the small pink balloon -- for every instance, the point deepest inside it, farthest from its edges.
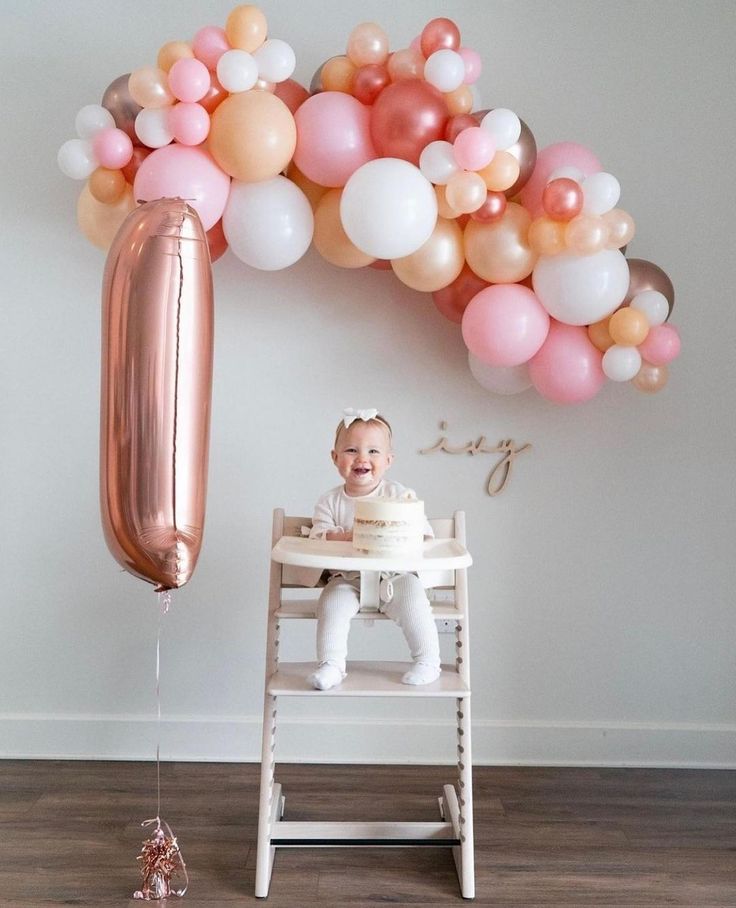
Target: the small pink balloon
(369, 82)
(209, 44)
(189, 80)
(562, 199)
(291, 93)
(505, 325)
(661, 345)
(474, 148)
(112, 147)
(473, 65)
(333, 138)
(189, 123)
(453, 300)
(439, 34)
(548, 159)
(180, 172)
(492, 209)
(567, 369)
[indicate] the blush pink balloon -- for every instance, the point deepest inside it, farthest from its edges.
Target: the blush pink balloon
(550, 158)
(189, 123)
(473, 65)
(661, 345)
(567, 369)
(505, 325)
(333, 138)
(189, 80)
(112, 147)
(474, 148)
(406, 117)
(291, 93)
(180, 172)
(453, 300)
(209, 44)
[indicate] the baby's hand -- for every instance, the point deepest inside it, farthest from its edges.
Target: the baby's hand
(340, 536)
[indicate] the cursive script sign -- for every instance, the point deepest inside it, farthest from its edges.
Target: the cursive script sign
(501, 473)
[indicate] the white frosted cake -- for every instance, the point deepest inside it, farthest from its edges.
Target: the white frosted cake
(388, 526)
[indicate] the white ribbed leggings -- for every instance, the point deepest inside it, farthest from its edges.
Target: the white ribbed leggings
(409, 608)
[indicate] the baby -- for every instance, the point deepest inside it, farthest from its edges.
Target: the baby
(362, 455)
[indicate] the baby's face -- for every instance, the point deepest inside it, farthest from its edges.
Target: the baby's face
(362, 455)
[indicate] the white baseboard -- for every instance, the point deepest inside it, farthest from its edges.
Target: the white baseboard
(233, 739)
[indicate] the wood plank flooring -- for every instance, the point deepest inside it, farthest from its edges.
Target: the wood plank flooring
(69, 835)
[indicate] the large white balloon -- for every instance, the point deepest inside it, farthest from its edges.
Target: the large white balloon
(500, 379)
(581, 289)
(268, 225)
(388, 208)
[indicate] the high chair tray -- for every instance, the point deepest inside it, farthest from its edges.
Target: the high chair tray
(437, 555)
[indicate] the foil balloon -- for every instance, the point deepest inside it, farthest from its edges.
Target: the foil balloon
(646, 275)
(157, 343)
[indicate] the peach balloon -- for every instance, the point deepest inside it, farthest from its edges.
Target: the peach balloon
(460, 101)
(338, 74)
(465, 192)
(330, 239)
(444, 209)
(435, 264)
(621, 228)
(501, 173)
(252, 136)
(313, 191)
(547, 237)
(586, 234)
(368, 43)
(600, 336)
(650, 379)
(171, 52)
(406, 64)
(628, 327)
(100, 222)
(149, 87)
(500, 252)
(107, 186)
(246, 28)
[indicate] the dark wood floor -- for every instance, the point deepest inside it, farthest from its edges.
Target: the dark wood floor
(69, 835)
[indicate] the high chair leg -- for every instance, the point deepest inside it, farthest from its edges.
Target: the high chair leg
(270, 806)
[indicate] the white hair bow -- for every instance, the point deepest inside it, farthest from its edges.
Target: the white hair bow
(351, 415)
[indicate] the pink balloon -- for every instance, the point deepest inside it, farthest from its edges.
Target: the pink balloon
(112, 147)
(661, 345)
(333, 138)
(473, 65)
(474, 148)
(180, 172)
(209, 44)
(567, 369)
(505, 325)
(190, 123)
(406, 117)
(550, 158)
(189, 80)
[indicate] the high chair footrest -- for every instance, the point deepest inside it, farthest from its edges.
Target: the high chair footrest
(380, 834)
(365, 679)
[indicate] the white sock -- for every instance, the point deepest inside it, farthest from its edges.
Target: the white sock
(327, 675)
(421, 673)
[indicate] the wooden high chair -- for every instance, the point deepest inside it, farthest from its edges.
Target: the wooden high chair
(447, 558)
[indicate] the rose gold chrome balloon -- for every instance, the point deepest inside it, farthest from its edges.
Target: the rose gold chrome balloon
(648, 276)
(157, 337)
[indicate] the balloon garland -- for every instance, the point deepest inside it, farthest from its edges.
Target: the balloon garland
(383, 163)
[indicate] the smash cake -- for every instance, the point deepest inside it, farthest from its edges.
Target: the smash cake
(388, 526)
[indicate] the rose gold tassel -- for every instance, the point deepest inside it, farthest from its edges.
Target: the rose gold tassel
(160, 860)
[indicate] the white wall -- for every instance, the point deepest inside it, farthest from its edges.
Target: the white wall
(603, 624)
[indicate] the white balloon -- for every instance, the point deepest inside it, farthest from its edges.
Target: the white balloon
(152, 127)
(276, 60)
(653, 304)
(445, 69)
(504, 125)
(91, 119)
(437, 162)
(268, 225)
(568, 172)
(388, 208)
(621, 363)
(581, 289)
(237, 70)
(500, 379)
(76, 159)
(601, 192)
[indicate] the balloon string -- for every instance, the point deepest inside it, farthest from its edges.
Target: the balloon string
(164, 601)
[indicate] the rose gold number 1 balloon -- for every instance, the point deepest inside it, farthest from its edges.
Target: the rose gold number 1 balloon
(157, 337)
